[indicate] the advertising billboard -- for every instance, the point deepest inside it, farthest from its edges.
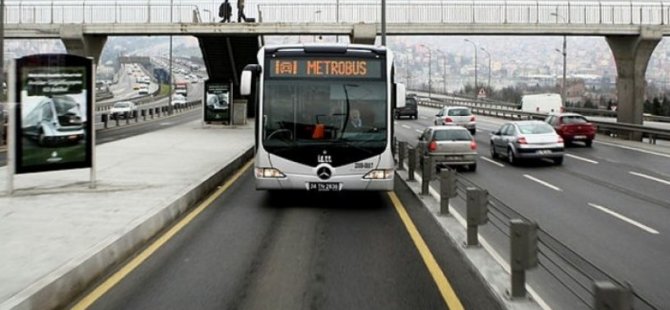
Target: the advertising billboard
(54, 114)
(217, 102)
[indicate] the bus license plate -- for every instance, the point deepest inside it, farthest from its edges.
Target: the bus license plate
(324, 187)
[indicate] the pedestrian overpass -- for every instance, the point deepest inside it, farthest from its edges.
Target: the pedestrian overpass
(632, 29)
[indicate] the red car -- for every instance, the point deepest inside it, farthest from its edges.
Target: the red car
(572, 127)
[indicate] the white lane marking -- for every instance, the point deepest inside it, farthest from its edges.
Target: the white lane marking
(582, 159)
(649, 177)
(492, 161)
(633, 149)
(406, 126)
(625, 219)
(543, 183)
(423, 117)
(418, 130)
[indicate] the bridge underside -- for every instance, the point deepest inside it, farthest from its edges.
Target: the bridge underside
(226, 56)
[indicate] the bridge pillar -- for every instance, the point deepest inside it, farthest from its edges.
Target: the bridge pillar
(631, 54)
(364, 34)
(83, 45)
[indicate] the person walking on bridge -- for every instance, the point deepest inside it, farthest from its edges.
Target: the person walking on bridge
(225, 11)
(240, 11)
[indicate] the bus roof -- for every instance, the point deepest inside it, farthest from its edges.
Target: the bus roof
(330, 48)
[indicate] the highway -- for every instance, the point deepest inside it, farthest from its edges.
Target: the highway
(608, 203)
(123, 89)
(254, 250)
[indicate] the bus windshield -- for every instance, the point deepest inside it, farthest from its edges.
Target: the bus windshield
(318, 112)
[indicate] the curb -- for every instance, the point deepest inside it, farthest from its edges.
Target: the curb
(61, 286)
(489, 267)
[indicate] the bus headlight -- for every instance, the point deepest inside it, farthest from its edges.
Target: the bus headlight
(379, 174)
(269, 173)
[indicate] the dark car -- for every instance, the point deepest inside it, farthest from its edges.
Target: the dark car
(4, 118)
(409, 109)
(572, 127)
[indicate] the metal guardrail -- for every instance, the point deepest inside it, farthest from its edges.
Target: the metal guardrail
(139, 100)
(505, 110)
(428, 11)
(503, 104)
(576, 274)
(608, 113)
(52, 12)
(151, 113)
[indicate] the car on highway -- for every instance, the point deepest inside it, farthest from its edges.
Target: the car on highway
(449, 146)
(144, 90)
(54, 121)
(525, 140)
(572, 127)
(178, 101)
(459, 116)
(410, 108)
(120, 109)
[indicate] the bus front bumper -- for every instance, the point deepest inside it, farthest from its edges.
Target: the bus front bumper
(313, 183)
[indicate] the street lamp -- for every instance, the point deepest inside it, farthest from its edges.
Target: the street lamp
(488, 85)
(564, 52)
(337, 18)
(444, 75)
(209, 15)
(316, 18)
(430, 61)
(475, 46)
(2, 51)
(170, 69)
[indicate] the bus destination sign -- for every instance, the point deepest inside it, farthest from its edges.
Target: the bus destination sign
(326, 68)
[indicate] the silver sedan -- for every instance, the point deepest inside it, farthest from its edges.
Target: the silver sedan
(525, 140)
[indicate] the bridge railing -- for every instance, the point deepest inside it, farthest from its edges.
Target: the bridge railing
(477, 12)
(428, 11)
(92, 13)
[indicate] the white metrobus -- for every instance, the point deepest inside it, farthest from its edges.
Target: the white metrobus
(323, 117)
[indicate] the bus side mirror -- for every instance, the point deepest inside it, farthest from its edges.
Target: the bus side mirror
(245, 83)
(246, 79)
(399, 95)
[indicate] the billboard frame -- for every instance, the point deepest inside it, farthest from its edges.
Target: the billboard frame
(206, 85)
(18, 69)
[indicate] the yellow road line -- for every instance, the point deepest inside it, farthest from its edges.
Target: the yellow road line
(448, 294)
(108, 284)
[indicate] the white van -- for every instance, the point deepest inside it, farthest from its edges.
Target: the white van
(542, 103)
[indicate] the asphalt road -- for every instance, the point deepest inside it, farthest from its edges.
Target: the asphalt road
(608, 203)
(260, 250)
